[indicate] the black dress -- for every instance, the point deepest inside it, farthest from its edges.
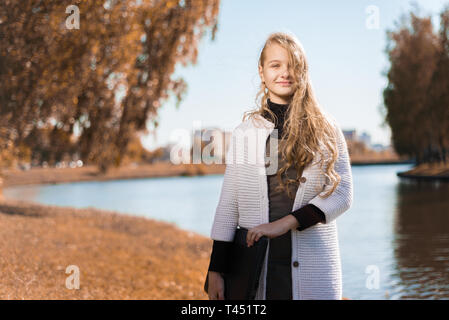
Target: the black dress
(279, 277)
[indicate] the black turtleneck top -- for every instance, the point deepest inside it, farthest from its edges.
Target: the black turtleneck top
(280, 111)
(307, 216)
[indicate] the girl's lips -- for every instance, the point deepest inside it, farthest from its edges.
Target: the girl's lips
(285, 83)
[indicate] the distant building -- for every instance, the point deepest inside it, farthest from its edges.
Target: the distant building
(350, 135)
(366, 138)
(380, 147)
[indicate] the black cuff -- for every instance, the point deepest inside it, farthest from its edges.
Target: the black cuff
(218, 257)
(308, 216)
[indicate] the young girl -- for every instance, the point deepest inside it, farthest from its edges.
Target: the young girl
(294, 202)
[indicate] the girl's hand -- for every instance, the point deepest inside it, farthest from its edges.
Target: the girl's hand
(216, 286)
(271, 230)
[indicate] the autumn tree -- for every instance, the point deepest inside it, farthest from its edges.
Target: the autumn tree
(416, 98)
(439, 94)
(103, 82)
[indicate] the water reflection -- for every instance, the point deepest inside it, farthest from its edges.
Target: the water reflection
(421, 241)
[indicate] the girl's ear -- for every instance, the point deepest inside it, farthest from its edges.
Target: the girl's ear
(261, 73)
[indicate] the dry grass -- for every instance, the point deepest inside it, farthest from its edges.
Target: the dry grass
(119, 257)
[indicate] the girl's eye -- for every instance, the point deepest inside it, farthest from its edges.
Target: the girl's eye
(275, 66)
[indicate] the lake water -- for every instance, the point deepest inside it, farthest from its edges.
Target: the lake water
(394, 240)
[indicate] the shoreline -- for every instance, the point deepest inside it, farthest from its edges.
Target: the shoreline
(91, 173)
(374, 163)
(45, 176)
(159, 170)
(427, 172)
(422, 178)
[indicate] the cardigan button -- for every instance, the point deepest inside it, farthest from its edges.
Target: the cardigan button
(267, 164)
(303, 179)
(295, 264)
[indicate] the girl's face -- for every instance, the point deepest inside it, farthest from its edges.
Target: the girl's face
(276, 75)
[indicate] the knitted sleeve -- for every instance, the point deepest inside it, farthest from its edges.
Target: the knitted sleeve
(341, 199)
(226, 213)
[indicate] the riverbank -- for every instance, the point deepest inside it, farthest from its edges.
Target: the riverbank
(428, 172)
(118, 256)
(92, 173)
(161, 169)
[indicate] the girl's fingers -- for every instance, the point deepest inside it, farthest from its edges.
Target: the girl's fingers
(250, 237)
(253, 236)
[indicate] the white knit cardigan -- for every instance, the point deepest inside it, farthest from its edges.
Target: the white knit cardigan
(244, 201)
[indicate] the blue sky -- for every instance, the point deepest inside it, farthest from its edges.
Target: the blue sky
(346, 59)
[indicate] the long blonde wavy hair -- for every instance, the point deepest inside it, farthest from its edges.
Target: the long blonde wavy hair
(306, 128)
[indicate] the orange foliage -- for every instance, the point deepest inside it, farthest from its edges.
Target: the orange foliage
(55, 76)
